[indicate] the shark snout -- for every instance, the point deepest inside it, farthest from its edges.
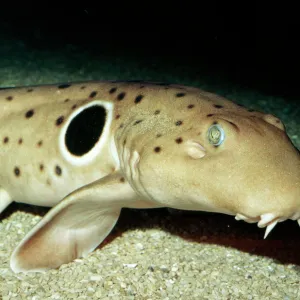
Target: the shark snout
(270, 213)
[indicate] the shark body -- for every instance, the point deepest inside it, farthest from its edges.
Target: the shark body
(87, 149)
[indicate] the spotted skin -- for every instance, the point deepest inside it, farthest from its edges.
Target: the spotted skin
(87, 149)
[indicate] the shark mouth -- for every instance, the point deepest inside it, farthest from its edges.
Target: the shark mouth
(268, 220)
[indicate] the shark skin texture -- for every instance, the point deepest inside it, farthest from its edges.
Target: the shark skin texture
(88, 149)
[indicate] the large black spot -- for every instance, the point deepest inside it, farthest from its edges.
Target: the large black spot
(85, 130)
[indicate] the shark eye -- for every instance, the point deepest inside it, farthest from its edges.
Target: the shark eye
(216, 135)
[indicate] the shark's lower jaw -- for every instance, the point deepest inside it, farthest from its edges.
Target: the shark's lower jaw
(268, 220)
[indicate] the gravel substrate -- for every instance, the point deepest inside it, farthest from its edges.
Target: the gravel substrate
(154, 259)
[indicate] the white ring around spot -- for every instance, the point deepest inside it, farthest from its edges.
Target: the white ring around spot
(89, 156)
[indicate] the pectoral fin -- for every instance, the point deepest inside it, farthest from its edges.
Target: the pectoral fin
(74, 227)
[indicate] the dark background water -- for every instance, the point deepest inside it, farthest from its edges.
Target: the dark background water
(255, 45)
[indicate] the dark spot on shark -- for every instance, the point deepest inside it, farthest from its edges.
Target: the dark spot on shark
(29, 113)
(112, 90)
(58, 170)
(137, 122)
(64, 86)
(179, 95)
(157, 149)
(17, 171)
(93, 94)
(59, 120)
(138, 99)
(179, 140)
(121, 96)
(218, 106)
